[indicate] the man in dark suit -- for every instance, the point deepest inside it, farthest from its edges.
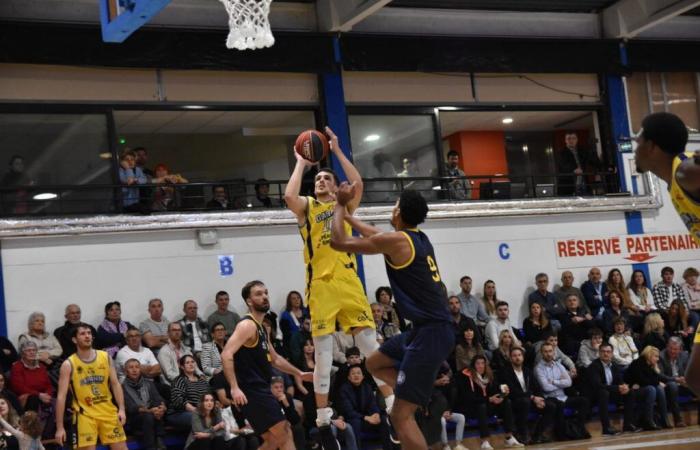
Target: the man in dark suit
(606, 384)
(525, 393)
(673, 362)
(571, 164)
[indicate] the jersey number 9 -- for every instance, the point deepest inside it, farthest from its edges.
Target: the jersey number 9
(433, 269)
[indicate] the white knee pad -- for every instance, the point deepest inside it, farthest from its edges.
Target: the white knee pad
(366, 341)
(323, 352)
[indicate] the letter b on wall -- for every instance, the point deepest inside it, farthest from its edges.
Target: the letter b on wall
(226, 265)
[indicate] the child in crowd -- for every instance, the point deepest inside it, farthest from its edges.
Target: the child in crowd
(29, 433)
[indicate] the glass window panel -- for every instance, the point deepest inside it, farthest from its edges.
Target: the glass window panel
(388, 146)
(682, 97)
(638, 99)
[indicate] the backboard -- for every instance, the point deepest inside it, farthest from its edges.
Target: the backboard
(120, 18)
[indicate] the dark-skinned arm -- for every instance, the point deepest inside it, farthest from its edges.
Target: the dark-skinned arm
(361, 227)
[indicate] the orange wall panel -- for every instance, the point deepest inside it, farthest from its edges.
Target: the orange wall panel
(480, 153)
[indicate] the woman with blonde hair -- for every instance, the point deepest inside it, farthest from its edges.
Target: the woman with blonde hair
(654, 332)
(644, 374)
(500, 359)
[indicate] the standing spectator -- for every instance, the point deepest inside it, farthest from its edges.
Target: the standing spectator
(471, 306)
(571, 162)
(502, 322)
(673, 362)
(639, 292)
(30, 380)
(654, 333)
(459, 321)
(64, 332)
(567, 289)
(385, 330)
(666, 291)
(606, 384)
(195, 331)
(536, 325)
(208, 427)
(48, 347)
(615, 310)
(594, 292)
(590, 349)
(262, 195)
(525, 396)
(546, 299)
(384, 296)
(292, 317)
(644, 373)
(187, 390)
(219, 198)
(112, 331)
(485, 397)
(489, 298)
(8, 354)
(500, 357)
(170, 354)
(144, 406)
(554, 378)
(678, 323)
(154, 330)
(358, 404)
(164, 195)
(141, 160)
(129, 175)
(468, 346)
(624, 350)
(575, 325)
(8, 395)
(692, 288)
(383, 191)
(457, 188)
(150, 368)
(223, 315)
(211, 351)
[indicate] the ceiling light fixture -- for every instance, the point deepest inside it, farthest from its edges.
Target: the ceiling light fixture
(507, 120)
(372, 138)
(105, 155)
(45, 196)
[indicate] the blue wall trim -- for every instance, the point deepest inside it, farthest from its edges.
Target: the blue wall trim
(3, 310)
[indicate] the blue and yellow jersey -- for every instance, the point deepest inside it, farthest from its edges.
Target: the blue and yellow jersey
(688, 208)
(321, 260)
(89, 382)
(252, 363)
(418, 289)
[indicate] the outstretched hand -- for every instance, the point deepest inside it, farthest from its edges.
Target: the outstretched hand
(332, 139)
(345, 193)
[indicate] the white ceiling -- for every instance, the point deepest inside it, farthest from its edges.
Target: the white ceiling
(522, 120)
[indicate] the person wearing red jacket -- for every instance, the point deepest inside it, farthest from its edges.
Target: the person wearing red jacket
(29, 379)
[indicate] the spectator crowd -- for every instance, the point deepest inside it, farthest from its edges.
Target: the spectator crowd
(606, 342)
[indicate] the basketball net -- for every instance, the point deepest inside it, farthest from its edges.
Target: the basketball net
(248, 24)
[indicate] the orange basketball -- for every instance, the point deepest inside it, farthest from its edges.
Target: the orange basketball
(312, 145)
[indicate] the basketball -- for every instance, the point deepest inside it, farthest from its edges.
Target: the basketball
(312, 145)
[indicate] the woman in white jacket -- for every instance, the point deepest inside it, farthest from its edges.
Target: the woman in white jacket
(624, 350)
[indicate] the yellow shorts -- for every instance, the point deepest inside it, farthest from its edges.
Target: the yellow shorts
(339, 299)
(86, 430)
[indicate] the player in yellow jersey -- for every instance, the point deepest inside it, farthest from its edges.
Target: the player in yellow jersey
(90, 374)
(333, 289)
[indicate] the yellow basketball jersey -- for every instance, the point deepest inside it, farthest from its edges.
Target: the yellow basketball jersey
(90, 385)
(321, 260)
(688, 208)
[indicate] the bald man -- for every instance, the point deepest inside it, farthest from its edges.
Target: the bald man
(567, 288)
(594, 291)
(64, 333)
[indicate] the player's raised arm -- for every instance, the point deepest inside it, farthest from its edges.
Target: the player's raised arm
(245, 331)
(688, 175)
(294, 201)
(349, 169)
(361, 227)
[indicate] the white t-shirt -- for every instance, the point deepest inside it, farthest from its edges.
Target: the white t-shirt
(145, 356)
(521, 379)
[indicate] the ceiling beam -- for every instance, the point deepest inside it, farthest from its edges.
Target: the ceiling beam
(628, 18)
(342, 15)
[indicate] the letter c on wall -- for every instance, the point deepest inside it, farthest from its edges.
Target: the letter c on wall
(503, 251)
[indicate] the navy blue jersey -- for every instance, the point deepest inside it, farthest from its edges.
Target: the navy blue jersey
(252, 362)
(418, 289)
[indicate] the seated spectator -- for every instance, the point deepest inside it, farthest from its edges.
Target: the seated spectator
(639, 293)
(262, 195)
(28, 434)
(654, 333)
(459, 421)
(211, 351)
(615, 310)
(219, 198)
(357, 403)
(154, 330)
(459, 320)
(567, 289)
(8, 354)
(296, 344)
(64, 332)
(186, 393)
(29, 379)
(666, 291)
(500, 357)
(286, 402)
(692, 288)
(471, 306)
(484, 397)
(223, 315)
(292, 317)
(48, 348)
(164, 195)
(8, 395)
(559, 356)
(385, 330)
(575, 326)
(208, 427)
(644, 373)
(616, 282)
(112, 331)
(526, 395)
(342, 342)
(594, 292)
(546, 299)
(589, 350)
(489, 298)
(429, 419)
(239, 434)
(501, 322)
(129, 175)
(536, 325)
(277, 344)
(10, 416)
(144, 406)
(678, 323)
(305, 390)
(384, 296)
(624, 350)
(673, 361)
(195, 331)
(134, 350)
(607, 385)
(554, 379)
(170, 354)
(468, 346)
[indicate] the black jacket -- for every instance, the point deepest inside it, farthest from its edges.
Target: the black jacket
(532, 386)
(596, 377)
(639, 372)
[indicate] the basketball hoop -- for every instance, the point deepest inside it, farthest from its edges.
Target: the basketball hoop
(248, 24)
